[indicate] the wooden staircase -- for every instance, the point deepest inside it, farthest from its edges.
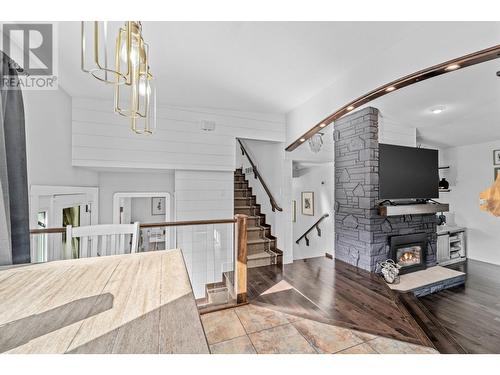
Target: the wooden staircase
(261, 245)
(218, 294)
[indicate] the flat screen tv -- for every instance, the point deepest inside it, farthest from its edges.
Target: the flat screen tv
(408, 172)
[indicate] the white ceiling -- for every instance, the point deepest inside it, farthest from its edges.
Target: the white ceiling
(276, 66)
(471, 97)
(248, 66)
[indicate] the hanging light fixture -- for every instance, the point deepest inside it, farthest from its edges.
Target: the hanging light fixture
(135, 93)
(146, 124)
(316, 142)
(94, 53)
(137, 98)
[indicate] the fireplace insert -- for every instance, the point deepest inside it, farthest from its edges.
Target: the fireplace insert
(409, 251)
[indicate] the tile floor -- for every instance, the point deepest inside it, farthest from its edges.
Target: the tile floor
(253, 329)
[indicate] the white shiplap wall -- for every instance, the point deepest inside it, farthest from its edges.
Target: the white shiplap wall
(396, 134)
(102, 138)
(207, 249)
(203, 162)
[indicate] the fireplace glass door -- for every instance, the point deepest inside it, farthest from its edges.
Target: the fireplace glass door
(409, 255)
(409, 251)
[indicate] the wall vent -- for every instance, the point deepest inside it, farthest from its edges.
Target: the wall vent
(208, 126)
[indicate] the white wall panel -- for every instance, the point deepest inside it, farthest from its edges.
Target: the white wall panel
(208, 249)
(103, 139)
(396, 134)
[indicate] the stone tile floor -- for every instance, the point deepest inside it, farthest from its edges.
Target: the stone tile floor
(253, 329)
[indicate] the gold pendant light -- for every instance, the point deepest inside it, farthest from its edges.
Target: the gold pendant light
(135, 94)
(94, 42)
(137, 98)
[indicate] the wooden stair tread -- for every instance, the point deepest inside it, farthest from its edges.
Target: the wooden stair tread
(260, 240)
(260, 255)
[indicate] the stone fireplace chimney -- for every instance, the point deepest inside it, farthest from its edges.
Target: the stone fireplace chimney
(362, 236)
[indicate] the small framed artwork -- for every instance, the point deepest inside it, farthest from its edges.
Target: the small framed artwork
(497, 171)
(308, 203)
(496, 157)
(158, 206)
(294, 211)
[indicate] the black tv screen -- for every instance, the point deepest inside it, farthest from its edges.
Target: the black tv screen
(408, 172)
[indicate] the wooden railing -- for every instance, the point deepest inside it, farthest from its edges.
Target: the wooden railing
(315, 225)
(257, 175)
(240, 274)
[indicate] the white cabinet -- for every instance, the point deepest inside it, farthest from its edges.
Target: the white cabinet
(451, 245)
(443, 247)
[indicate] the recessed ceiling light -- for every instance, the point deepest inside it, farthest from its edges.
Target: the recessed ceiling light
(322, 125)
(350, 108)
(452, 67)
(302, 139)
(437, 110)
(390, 88)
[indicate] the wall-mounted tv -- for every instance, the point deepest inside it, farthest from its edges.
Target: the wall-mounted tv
(408, 172)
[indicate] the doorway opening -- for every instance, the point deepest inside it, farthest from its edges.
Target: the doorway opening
(313, 216)
(56, 207)
(145, 207)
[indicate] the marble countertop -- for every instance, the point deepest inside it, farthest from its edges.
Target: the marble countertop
(133, 303)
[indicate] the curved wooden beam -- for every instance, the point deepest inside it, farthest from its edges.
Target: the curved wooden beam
(422, 75)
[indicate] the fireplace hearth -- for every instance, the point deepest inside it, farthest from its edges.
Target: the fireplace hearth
(409, 251)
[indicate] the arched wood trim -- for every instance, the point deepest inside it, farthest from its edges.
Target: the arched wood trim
(422, 75)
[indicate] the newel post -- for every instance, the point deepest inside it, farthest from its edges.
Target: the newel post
(241, 259)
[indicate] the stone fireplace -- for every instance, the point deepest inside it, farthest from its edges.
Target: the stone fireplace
(362, 236)
(409, 252)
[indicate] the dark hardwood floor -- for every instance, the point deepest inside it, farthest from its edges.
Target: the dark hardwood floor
(336, 293)
(471, 313)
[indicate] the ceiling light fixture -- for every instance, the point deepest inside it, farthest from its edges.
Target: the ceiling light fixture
(437, 110)
(316, 142)
(135, 94)
(350, 108)
(302, 139)
(452, 67)
(390, 88)
(94, 53)
(322, 125)
(137, 98)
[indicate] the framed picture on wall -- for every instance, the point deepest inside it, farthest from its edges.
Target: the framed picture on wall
(158, 206)
(308, 203)
(496, 157)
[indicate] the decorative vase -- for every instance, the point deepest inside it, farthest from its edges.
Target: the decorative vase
(443, 184)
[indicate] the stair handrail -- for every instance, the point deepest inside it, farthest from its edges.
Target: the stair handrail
(315, 225)
(257, 175)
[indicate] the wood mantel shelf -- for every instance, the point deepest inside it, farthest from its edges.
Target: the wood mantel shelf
(412, 209)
